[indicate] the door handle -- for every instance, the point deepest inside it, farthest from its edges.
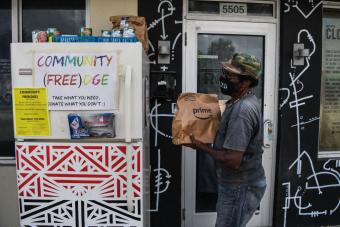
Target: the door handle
(267, 133)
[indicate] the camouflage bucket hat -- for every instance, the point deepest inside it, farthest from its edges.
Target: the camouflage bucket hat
(244, 64)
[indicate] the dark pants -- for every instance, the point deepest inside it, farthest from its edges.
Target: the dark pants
(237, 204)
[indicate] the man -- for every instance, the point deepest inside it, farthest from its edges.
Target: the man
(238, 144)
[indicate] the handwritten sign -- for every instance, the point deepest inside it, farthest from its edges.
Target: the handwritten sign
(30, 111)
(77, 81)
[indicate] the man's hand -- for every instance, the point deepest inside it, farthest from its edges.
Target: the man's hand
(192, 144)
(198, 144)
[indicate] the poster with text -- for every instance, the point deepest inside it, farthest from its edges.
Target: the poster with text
(330, 87)
(30, 112)
(77, 81)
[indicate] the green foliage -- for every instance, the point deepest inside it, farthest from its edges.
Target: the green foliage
(223, 48)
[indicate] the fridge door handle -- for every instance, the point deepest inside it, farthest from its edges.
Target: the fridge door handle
(127, 114)
(127, 98)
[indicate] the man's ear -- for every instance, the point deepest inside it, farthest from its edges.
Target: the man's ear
(246, 84)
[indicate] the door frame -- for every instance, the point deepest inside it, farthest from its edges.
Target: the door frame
(270, 32)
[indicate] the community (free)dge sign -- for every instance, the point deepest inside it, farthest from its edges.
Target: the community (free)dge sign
(77, 81)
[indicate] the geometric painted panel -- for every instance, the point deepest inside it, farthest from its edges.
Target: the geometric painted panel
(78, 185)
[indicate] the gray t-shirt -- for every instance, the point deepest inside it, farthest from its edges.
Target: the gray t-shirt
(241, 129)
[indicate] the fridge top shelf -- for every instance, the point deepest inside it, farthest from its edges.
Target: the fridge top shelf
(88, 140)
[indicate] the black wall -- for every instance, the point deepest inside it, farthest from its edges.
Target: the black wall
(307, 189)
(164, 21)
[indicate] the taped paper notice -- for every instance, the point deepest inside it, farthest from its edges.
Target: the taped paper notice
(30, 112)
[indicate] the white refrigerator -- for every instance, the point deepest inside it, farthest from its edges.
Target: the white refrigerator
(91, 181)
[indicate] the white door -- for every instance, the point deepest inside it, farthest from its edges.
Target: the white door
(208, 43)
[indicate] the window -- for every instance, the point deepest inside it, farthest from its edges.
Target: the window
(6, 132)
(67, 16)
(329, 143)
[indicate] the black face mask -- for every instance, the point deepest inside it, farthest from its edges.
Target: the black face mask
(227, 87)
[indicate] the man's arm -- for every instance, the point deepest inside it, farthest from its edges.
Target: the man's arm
(228, 158)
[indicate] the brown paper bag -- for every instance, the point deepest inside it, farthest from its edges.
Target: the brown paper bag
(139, 24)
(198, 114)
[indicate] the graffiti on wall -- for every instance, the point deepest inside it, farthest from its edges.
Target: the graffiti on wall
(304, 10)
(164, 25)
(156, 117)
(310, 183)
(162, 175)
(165, 12)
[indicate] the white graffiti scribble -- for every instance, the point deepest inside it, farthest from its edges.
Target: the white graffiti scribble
(162, 181)
(299, 161)
(159, 180)
(164, 17)
(310, 12)
(296, 4)
(175, 41)
(307, 122)
(287, 96)
(295, 194)
(162, 178)
(310, 38)
(287, 9)
(154, 118)
(299, 102)
(165, 11)
(308, 209)
(164, 68)
(160, 9)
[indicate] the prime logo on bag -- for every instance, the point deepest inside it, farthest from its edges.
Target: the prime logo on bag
(197, 114)
(202, 113)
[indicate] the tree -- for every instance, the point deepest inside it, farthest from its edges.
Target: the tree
(223, 48)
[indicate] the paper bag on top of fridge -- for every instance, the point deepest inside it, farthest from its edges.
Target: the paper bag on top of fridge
(138, 24)
(197, 114)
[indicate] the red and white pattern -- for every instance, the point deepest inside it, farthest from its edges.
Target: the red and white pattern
(76, 172)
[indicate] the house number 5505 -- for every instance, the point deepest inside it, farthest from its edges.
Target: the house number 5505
(233, 9)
